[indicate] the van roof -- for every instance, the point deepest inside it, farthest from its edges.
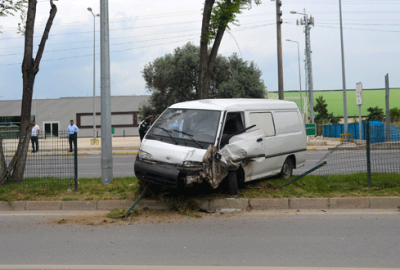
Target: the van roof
(235, 103)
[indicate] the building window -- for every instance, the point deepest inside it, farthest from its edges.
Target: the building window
(118, 119)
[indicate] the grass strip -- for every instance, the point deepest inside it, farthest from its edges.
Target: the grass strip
(127, 188)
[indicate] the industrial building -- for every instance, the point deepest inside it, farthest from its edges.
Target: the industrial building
(54, 115)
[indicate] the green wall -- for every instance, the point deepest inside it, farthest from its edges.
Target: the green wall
(334, 99)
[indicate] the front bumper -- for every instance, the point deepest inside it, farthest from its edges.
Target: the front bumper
(163, 174)
(160, 174)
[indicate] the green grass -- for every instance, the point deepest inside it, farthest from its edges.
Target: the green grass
(354, 185)
(89, 189)
(334, 99)
(315, 186)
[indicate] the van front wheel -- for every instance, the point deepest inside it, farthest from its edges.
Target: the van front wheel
(287, 168)
(233, 184)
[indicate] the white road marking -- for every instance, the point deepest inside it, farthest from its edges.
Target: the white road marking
(150, 267)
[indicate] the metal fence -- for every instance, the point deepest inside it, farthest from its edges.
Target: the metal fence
(370, 162)
(52, 166)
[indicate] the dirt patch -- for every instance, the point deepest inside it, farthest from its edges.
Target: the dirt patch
(145, 217)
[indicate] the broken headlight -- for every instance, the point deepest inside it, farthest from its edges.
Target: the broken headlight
(144, 155)
(193, 164)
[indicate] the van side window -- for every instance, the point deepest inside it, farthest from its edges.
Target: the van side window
(263, 121)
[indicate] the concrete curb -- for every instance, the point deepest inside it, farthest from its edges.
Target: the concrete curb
(242, 204)
(126, 153)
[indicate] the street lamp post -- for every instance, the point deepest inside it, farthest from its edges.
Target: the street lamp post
(298, 56)
(94, 73)
(307, 21)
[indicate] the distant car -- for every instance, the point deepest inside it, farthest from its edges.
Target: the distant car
(209, 140)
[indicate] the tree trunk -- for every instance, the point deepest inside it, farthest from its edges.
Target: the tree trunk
(203, 83)
(30, 67)
(207, 61)
(3, 165)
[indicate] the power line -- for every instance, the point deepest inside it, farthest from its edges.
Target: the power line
(129, 49)
(135, 36)
(350, 28)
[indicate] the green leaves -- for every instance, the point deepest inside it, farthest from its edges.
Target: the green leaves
(9, 7)
(375, 114)
(394, 115)
(174, 78)
(224, 12)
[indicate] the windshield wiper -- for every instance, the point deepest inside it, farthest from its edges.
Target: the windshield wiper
(190, 136)
(169, 134)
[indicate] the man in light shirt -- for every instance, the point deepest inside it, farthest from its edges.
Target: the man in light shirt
(72, 133)
(35, 137)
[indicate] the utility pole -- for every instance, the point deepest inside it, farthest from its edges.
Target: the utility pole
(308, 21)
(346, 129)
(279, 44)
(106, 142)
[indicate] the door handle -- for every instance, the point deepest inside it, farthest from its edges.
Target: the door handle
(259, 140)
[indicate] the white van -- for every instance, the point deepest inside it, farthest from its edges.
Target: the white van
(208, 140)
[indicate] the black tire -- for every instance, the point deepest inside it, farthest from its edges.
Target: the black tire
(233, 183)
(287, 168)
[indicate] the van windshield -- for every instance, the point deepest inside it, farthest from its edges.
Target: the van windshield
(196, 128)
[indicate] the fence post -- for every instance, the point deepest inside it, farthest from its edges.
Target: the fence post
(76, 161)
(368, 154)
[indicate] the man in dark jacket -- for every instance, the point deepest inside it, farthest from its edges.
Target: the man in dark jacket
(145, 125)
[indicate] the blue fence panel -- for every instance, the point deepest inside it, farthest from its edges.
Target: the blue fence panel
(394, 133)
(377, 131)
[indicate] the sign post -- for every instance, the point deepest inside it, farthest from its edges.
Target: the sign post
(311, 130)
(387, 108)
(359, 101)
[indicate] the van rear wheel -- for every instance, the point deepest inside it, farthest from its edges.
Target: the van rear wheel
(233, 183)
(287, 168)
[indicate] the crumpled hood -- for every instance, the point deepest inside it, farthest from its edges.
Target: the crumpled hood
(171, 153)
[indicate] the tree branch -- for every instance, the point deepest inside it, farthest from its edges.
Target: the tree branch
(45, 36)
(215, 47)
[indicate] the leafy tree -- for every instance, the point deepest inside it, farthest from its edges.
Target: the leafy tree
(375, 114)
(394, 115)
(217, 15)
(11, 7)
(30, 67)
(320, 107)
(323, 117)
(332, 119)
(174, 78)
(239, 79)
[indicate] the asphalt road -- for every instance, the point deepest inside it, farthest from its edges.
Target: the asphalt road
(90, 166)
(287, 239)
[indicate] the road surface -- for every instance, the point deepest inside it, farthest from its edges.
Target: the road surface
(287, 239)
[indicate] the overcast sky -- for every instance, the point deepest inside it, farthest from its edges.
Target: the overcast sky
(141, 31)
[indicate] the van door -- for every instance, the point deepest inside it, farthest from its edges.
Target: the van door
(269, 166)
(247, 146)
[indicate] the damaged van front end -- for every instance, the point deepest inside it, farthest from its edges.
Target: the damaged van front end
(178, 166)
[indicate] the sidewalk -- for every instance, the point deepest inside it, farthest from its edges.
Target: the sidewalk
(321, 144)
(131, 145)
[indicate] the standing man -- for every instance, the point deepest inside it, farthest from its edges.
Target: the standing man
(72, 133)
(34, 137)
(145, 125)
